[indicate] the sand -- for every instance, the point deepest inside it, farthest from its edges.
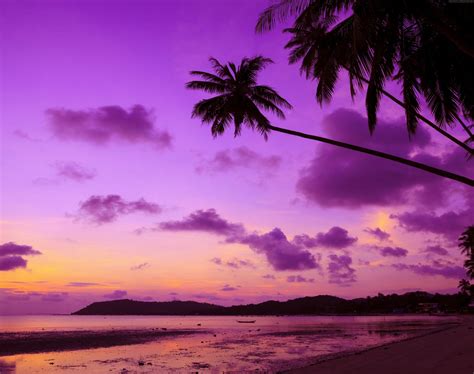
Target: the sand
(449, 351)
(50, 341)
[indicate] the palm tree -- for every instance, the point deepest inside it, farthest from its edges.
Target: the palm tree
(466, 244)
(240, 100)
(413, 42)
(464, 286)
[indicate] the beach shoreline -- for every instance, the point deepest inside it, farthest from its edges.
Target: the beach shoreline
(445, 350)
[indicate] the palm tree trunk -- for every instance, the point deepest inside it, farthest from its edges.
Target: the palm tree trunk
(372, 152)
(424, 119)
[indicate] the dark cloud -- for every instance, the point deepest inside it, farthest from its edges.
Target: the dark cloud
(82, 284)
(11, 248)
(117, 294)
(340, 271)
(107, 123)
(241, 157)
(436, 250)
(234, 263)
(337, 177)
(435, 269)
(204, 220)
(378, 233)
(105, 209)
(74, 171)
(280, 253)
(392, 251)
(450, 224)
(55, 297)
(336, 237)
(12, 262)
(226, 287)
(299, 279)
(268, 276)
(141, 266)
(11, 255)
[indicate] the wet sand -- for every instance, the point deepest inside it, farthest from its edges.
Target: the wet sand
(56, 341)
(450, 350)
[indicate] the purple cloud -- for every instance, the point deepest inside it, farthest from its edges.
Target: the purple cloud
(279, 252)
(226, 287)
(117, 294)
(392, 251)
(449, 224)
(82, 284)
(11, 255)
(241, 157)
(105, 209)
(342, 178)
(435, 269)
(11, 248)
(74, 171)
(141, 266)
(216, 260)
(12, 262)
(378, 233)
(340, 271)
(54, 297)
(299, 279)
(436, 250)
(268, 276)
(336, 237)
(204, 220)
(104, 124)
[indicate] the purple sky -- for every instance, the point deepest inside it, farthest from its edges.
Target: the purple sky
(110, 190)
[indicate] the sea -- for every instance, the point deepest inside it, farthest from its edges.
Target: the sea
(217, 344)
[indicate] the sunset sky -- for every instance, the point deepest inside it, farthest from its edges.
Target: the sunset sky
(109, 189)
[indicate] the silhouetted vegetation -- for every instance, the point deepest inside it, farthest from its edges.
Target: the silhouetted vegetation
(316, 305)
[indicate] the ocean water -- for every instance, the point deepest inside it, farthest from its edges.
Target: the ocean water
(220, 343)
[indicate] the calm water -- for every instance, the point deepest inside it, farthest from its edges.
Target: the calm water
(221, 344)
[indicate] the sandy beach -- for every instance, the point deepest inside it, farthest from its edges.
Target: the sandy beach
(450, 350)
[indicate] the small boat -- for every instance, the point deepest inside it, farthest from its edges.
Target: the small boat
(246, 321)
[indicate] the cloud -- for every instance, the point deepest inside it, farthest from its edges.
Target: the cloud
(234, 263)
(241, 157)
(299, 279)
(340, 271)
(436, 250)
(336, 237)
(280, 253)
(117, 294)
(378, 233)
(435, 269)
(392, 251)
(141, 266)
(74, 171)
(337, 177)
(204, 220)
(105, 209)
(12, 262)
(82, 284)
(11, 255)
(104, 124)
(268, 276)
(54, 297)
(23, 135)
(226, 287)
(450, 224)
(11, 248)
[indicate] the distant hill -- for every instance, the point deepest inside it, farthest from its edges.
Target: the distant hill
(323, 304)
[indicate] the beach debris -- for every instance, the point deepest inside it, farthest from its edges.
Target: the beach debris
(198, 324)
(164, 328)
(141, 363)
